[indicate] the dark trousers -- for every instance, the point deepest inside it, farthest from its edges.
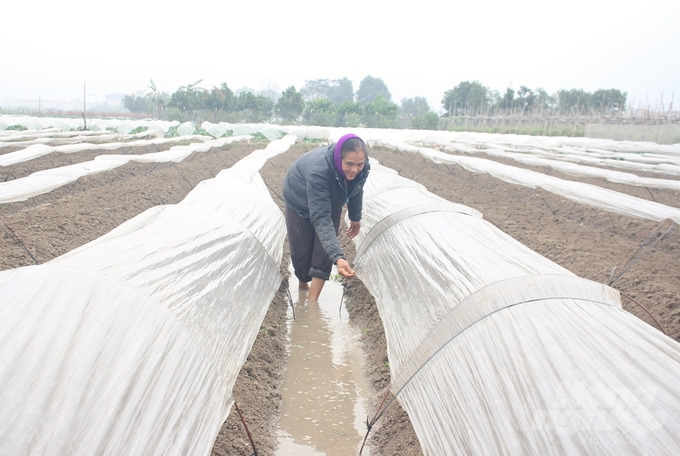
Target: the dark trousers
(306, 252)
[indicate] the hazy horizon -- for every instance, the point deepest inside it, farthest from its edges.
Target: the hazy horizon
(118, 48)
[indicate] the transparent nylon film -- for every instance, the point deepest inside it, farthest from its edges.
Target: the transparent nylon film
(497, 296)
(216, 130)
(39, 150)
(633, 156)
(47, 180)
(494, 349)
(437, 258)
(643, 154)
(266, 226)
(574, 169)
(581, 145)
(628, 155)
(131, 343)
(59, 139)
(550, 377)
(187, 128)
(90, 365)
(202, 270)
(41, 124)
(56, 137)
(403, 194)
(579, 192)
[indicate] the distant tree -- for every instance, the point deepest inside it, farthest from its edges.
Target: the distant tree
(370, 88)
(221, 99)
(342, 90)
(525, 99)
(265, 107)
(611, 100)
(544, 100)
(137, 104)
(189, 98)
(253, 108)
(320, 112)
(156, 98)
(381, 114)
(507, 101)
(336, 90)
(427, 121)
(468, 96)
(290, 105)
(573, 100)
(349, 114)
(316, 88)
(412, 108)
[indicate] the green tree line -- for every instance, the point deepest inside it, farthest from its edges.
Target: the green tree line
(322, 102)
(473, 98)
(333, 102)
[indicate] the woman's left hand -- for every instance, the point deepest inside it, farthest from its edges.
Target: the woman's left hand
(353, 229)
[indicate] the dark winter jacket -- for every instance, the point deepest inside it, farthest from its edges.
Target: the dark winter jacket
(314, 189)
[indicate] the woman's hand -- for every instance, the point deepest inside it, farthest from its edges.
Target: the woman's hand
(353, 229)
(344, 269)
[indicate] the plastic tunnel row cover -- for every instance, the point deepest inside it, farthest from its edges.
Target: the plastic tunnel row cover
(95, 125)
(45, 181)
(397, 217)
(131, 343)
(38, 150)
(555, 161)
(74, 138)
(190, 270)
(494, 349)
(579, 192)
(550, 377)
(499, 296)
(271, 132)
(94, 366)
(555, 143)
(664, 159)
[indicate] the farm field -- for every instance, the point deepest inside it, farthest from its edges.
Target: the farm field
(588, 242)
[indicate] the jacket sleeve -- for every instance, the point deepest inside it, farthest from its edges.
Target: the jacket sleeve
(355, 205)
(319, 201)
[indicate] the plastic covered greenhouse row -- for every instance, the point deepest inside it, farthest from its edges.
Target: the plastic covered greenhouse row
(131, 343)
(38, 149)
(494, 349)
(579, 192)
(47, 180)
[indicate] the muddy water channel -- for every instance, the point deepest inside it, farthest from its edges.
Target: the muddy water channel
(325, 393)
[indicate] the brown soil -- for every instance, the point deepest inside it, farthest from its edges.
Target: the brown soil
(586, 241)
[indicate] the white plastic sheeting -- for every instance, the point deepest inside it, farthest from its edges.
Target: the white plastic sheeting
(45, 181)
(131, 344)
(14, 137)
(39, 150)
(187, 128)
(494, 349)
(64, 139)
(574, 169)
(579, 192)
(217, 130)
(566, 144)
(633, 156)
(66, 123)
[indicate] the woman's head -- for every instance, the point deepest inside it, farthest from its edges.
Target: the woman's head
(350, 156)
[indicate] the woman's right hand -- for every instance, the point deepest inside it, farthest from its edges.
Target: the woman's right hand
(344, 269)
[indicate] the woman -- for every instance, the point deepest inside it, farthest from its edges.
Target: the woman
(315, 189)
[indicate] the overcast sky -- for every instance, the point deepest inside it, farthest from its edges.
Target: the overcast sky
(49, 48)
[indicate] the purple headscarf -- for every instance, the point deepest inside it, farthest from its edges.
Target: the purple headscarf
(337, 155)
